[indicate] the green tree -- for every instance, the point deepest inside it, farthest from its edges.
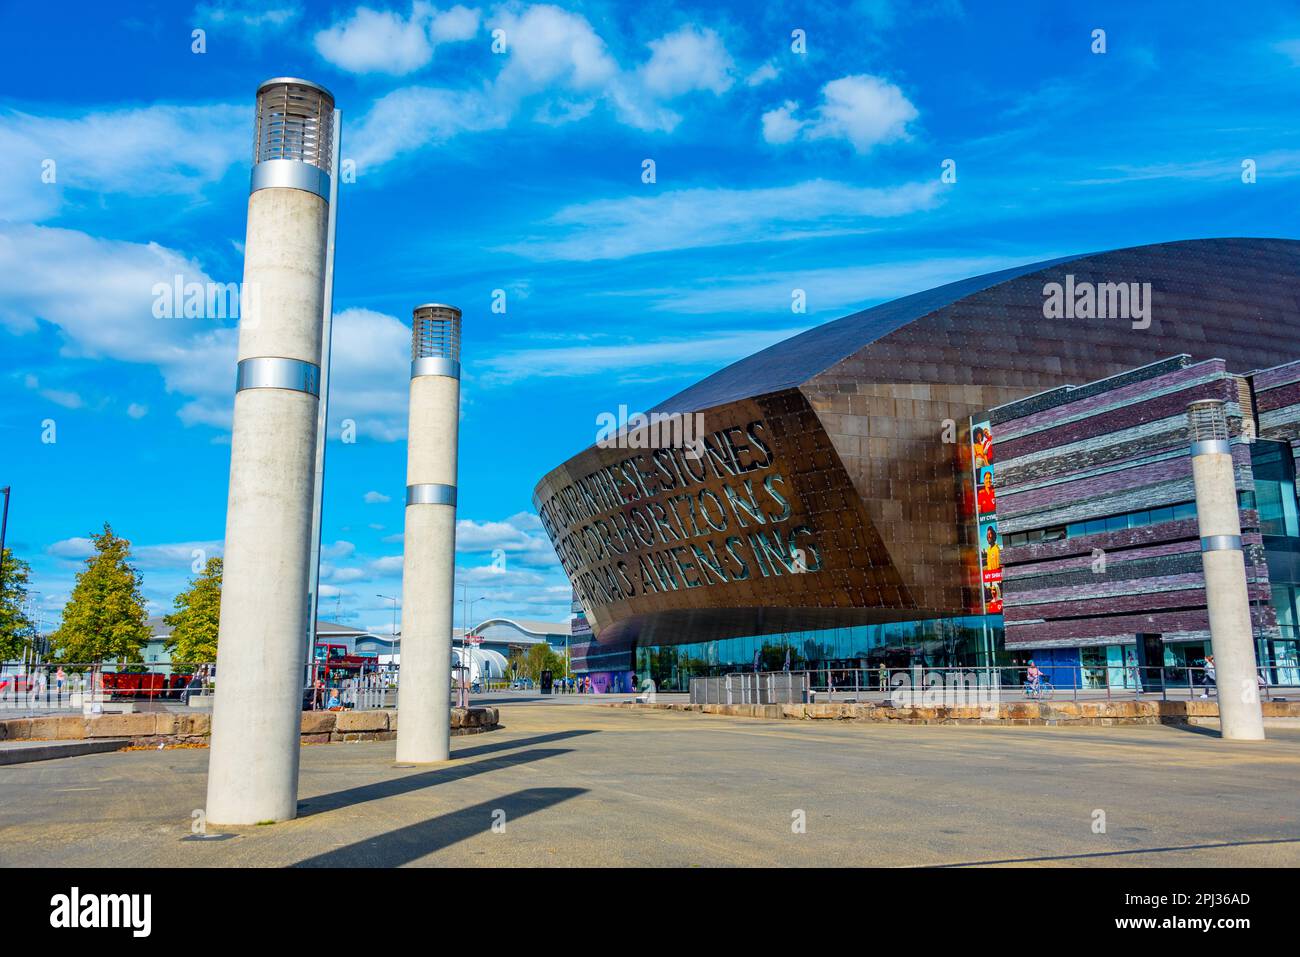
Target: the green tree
(104, 620)
(195, 621)
(538, 658)
(15, 627)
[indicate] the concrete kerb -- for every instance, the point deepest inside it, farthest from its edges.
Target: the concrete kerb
(315, 727)
(1013, 713)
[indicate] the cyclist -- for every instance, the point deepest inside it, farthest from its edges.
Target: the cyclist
(1034, 675)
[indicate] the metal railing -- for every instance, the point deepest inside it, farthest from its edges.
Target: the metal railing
(98, 686)
(1059, 682)
(774, 687)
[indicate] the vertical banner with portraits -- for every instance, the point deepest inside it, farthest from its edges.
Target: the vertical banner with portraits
(986, 517)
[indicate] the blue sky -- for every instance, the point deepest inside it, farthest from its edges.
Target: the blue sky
(521, 169)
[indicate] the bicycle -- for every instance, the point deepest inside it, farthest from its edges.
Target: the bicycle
(1040, 692)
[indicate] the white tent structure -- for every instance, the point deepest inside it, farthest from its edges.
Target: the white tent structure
(483, 663)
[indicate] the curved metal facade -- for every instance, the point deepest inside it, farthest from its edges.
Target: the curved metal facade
(823, 487)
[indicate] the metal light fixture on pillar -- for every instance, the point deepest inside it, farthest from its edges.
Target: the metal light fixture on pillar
(1224, 562)
(429, 560)
(265, 603)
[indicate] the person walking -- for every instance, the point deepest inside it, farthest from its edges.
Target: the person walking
(1210, 679)
(60, 676)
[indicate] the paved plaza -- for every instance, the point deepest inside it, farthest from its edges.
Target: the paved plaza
(581, 784)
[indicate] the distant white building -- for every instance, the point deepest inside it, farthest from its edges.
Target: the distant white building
(488, 657)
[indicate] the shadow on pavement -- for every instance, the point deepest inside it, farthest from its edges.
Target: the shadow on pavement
(416, 782)
(415, 841)
(1136, 850)
(1197, 729)
(519, 743)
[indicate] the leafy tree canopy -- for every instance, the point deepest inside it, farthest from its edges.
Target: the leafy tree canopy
(195, 621)
(538, 658)
(15, 627)
(104, 619)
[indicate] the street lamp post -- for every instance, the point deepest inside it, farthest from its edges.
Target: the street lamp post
(393, 599)
(4, 527)
(467, 611)
(393, 638)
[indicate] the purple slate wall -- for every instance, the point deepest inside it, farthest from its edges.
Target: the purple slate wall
(1118, 446)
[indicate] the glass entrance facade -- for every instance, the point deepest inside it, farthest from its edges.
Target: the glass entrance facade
(942, 643)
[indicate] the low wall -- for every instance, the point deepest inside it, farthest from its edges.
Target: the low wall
(1011, 713)
(317, 727)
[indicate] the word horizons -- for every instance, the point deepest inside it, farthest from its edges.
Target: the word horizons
(619, 533)
(74, 910)
(1109, 300)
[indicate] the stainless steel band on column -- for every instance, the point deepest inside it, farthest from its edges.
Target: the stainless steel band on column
(272, 372)
(431, 494)
(435, 365)
(1221, 543)
(1212, 447)
(291, 174)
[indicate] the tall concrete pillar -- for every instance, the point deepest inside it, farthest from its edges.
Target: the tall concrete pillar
(429, 562)
(253, 761)
(1231, 635)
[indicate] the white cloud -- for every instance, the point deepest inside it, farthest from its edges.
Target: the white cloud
(388, 565)
(368, 351)
(137, 411)
(1289, 49)
(69, 400)
(72, 548)
(690, 218)
(340, 549)
(99, 294)
(688, 60)
(380, 41)
(548, 46)
(413, 117)
(255, 18)
(831, 288)
(519, 537)
(707, 349)
(556, 69)
(141, 151)
(762, 74)
(458, 23)
(780, 125)
(377, 498)
(685, 61)
(65, 398)
(179, 556)
(864, 110)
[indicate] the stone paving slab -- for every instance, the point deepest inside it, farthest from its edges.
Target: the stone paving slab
(22, 752)
(584, 785)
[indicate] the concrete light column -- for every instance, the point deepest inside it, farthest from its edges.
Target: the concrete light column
(429, 562)
(1231, 635)
(253, 762)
